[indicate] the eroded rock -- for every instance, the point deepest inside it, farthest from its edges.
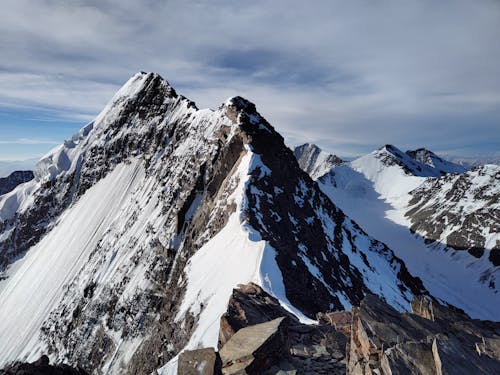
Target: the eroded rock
(437, 341)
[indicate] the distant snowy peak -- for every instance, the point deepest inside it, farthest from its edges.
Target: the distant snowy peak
(420, 163)
(430, 159)
(315, 161)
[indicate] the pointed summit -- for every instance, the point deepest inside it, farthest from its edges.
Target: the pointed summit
(314, 160)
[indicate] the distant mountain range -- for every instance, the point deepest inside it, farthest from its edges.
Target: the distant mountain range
(7, 167)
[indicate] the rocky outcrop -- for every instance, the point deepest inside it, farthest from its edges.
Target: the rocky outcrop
(436, 340)
(9, 183)
(373, 339)
(430, 159)
(250, 305)
(304, 349)
(41, 367)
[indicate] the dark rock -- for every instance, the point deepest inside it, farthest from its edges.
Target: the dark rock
(455, 209)
(250, 305)
(314, 161)
(41, 367)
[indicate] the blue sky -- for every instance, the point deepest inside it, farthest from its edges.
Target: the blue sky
(348, 75)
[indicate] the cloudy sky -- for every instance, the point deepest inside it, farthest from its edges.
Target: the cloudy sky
(347, 75)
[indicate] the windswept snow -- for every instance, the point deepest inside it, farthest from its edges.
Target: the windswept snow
(36, 282)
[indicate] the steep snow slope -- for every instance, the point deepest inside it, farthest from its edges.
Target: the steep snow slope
(103, 308)
(125, 248)
(38, 280)
(375, 190)
(315, 161)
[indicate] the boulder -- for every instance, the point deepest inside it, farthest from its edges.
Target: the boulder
(199, 362)
(254, 349)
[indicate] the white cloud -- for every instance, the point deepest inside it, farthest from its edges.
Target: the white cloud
(353, 75)
(28, 141)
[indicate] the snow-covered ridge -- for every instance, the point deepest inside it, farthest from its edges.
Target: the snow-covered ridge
(421, 162)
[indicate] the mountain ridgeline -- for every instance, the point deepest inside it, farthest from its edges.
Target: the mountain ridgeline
(137, 230)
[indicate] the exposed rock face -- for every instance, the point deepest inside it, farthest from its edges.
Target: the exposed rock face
(315, 242)
(421, 162)
(40, 367)
(180, 159)
(119, 213)
(9, 183)
(314, 161)
(462, 211)
(387, 342)
(376, 191)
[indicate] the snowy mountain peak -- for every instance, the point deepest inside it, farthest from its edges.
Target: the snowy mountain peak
(427, 157)
(151, 215)
(422, 163)
(314, 160)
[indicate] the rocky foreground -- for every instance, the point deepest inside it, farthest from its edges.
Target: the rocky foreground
(258, 336)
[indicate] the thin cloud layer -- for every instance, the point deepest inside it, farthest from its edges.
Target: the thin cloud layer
(350, 76)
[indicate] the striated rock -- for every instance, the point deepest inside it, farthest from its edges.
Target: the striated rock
(199, 362)
(385, 341)
(341, 320)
